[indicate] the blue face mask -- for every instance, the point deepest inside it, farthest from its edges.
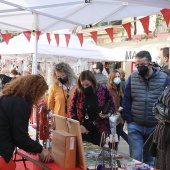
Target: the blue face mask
(117, 80)
(159, 62)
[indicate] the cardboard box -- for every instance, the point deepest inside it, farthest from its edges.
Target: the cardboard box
(64, 148)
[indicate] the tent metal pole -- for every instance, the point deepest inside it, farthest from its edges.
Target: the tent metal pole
(34, 62)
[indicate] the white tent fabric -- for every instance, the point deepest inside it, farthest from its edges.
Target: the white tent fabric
(19, 47)
(127, 49)
(54, 15)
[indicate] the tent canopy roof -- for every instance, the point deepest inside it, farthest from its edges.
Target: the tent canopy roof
(54, 15)
(19, 47)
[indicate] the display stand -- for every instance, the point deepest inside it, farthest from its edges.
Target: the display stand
(73, 127)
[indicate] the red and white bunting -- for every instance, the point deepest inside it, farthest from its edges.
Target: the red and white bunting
(145, 24)
(67, 36)
(57, 38)
(94, 36)
(6, 37)
(110, 32)
(80, 37)
(48, 37)
(38, 33)
(166, 15)
(127, 27)
(27, 35)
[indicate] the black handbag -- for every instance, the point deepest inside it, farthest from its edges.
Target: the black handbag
(149, 146)
(106, 107)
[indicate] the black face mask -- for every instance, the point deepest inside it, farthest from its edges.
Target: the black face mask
(143, 70)
(88, 90)
(63, 80)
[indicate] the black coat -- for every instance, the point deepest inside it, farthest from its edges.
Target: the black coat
(14, 118)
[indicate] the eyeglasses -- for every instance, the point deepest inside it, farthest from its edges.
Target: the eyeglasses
(143, 64)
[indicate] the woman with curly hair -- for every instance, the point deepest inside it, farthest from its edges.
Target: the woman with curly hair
(16, 103)
(62, 89)
(87, 105)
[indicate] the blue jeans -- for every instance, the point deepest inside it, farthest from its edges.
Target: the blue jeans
(137, 135)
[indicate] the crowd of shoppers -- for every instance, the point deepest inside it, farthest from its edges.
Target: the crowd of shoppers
(84, 98)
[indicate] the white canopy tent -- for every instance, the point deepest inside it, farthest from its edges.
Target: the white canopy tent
(50, 15)
(19, 47)
(54, 15)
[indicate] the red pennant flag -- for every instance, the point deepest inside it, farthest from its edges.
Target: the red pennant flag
(27, 35)
(57, 38)
(166, 15)
(145, 24)
(127, 27)
(48, 37)
(110, 32)
(67, 36)
(38, 33)
(80, 37)
(94, 36)
(6, 37)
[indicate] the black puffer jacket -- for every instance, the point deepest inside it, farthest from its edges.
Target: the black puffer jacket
(161, 109)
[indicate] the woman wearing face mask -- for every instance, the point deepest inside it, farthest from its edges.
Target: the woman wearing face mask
(86, 107)
(62, 89)
(116, 90)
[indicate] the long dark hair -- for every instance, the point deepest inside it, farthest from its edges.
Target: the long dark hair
(87, 75)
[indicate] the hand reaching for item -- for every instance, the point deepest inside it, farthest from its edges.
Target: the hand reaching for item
(46, 155)
(84, 130)
(104, 116)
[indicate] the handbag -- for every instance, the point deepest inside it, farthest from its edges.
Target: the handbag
(150, 146)
(113, 122)
(106, 107)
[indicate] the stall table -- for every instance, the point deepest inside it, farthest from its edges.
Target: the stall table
(35, 160)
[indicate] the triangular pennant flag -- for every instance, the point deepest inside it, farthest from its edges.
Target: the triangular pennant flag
(110, 32)
(145, 24)
(127, 27)
(27, 35)
(80, 37)
(67, 36)
(94, 36)
(6, 37)
(57, 38)
(166, 15)
(38, 33)
(48, 37)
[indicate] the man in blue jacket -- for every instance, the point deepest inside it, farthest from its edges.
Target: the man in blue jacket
(142, 90)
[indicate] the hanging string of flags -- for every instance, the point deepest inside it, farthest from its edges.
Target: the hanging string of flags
(110, 31)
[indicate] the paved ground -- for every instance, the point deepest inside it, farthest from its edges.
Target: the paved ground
(123, 146)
